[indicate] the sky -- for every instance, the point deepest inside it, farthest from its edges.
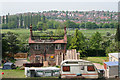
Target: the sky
(22, 6)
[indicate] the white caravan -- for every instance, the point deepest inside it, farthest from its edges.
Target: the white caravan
(42, 71)
(78, 69)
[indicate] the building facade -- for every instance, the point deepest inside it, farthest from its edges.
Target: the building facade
(49, 50)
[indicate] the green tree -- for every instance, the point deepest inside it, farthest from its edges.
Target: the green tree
(89, 25)
(82, 25)
(43, 19)
(6, 18)
(106, 25)
(11, 43)
(70, 24)
(95, 41)
(41, 26)
(78, 42)
(117, 36)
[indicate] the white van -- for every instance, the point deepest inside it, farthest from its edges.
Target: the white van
(78, 69)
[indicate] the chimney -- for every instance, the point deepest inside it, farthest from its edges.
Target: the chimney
(65, 33)
(31, 30)
(65, 30)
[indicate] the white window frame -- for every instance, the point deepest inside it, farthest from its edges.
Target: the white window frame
(37, 47)
(58, 46)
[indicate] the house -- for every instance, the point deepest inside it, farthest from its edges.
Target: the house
(47, 51)
(111, 69)
(114, 56)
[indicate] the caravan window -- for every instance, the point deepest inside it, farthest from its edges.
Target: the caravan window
(90, 68)
(66, 68)
(82, 67)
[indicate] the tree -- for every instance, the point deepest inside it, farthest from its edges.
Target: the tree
(112, 25)
(100, 25)
(89, 25)
(43, 19)
(5, 46)
(59, 31)
(117, 36)
(12, 25)
(78, 41)
(82, 25)
(6, 18)
(70, 24)
(41, 26)
(21, 21)
(106, 25)
(95, 41)
(10, 43)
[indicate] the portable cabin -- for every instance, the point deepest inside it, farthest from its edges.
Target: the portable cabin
(78, 69)
(111, 69)
(8, 65)
(42, 71)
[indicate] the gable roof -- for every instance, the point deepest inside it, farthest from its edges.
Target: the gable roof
(116, 55)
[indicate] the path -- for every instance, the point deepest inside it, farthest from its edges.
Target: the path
(20, 62)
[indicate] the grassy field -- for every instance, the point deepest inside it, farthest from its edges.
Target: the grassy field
(99, 60)
(13, 74)
(25, 33)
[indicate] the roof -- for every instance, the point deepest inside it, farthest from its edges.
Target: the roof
(44, 68)
(56, 41)
(115, 63)
(116, 55)
(72, 60)
(8, 63)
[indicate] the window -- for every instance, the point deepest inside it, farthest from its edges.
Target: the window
(57, 46)
(37, 47)
(90, 68)
(82, 67)
(66, 68)
(47, 47)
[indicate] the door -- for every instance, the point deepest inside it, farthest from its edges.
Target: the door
(32, 73)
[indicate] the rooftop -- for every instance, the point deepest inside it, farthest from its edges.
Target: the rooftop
(8, 63)
(115, 63)
(116, 55)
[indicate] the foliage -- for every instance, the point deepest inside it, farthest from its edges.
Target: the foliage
(10, 44)
(78, 42)
(70, 24)
(117, 36)
(95, 41)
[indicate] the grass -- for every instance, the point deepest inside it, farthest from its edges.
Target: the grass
(18, 74)
(13, 74)
(99, 60)
(25, 33)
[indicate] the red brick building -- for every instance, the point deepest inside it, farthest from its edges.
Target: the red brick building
(50, 50)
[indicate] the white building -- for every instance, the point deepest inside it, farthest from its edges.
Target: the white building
(114, 56)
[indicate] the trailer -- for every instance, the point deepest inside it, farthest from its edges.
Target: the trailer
(78, 69)
(42, 71)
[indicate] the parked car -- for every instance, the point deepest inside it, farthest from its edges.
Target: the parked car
(9, 65)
